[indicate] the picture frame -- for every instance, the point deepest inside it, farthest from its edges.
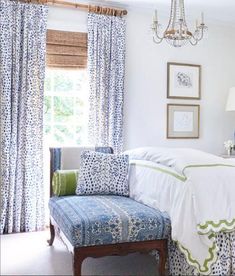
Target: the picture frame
(183, 121)
(183, 81)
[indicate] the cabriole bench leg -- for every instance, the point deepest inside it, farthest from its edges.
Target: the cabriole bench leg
(77, 263)
(52, 232)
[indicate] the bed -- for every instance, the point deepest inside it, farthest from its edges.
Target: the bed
(197, 190)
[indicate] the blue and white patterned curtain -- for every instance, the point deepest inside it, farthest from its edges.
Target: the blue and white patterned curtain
(22, 66)
(106, 66)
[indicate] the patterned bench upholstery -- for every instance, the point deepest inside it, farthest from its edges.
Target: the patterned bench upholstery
(100, 220)
(98, 226)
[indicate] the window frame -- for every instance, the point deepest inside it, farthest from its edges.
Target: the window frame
(52, 123)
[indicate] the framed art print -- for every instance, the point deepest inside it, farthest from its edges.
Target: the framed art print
(183, 121)
(183, 81)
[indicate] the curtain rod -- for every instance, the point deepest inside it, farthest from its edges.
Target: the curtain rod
(90, 8)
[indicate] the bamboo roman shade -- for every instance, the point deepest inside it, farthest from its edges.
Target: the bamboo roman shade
(66, 49)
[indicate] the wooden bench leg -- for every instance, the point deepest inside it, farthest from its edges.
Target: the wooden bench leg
(52, 232)
(78, 258)
(162, 259)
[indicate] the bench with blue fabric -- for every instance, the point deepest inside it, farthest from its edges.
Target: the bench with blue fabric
(102, 225)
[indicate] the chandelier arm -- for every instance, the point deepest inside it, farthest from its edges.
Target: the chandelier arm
(193, 43)
(202, 35)
(194, 36)
(158, 40)
(157, 36)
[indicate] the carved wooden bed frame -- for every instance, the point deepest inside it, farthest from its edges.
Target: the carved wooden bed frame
(119, 249)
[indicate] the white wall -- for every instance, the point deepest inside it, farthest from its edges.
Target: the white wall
(146, 78)
(66, 19)
(145, 81)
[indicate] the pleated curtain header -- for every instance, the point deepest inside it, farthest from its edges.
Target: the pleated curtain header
(66, 49)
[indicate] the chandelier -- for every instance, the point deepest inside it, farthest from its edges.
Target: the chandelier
(177, 33)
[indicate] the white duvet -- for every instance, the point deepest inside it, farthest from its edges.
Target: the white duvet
(196, 189)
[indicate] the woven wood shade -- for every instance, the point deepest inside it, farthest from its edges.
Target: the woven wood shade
(66, 49)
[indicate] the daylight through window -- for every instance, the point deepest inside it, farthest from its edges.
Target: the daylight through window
(65, 107)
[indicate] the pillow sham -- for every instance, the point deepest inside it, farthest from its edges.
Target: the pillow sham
(103, 174)
(176, 158)
(64, 182)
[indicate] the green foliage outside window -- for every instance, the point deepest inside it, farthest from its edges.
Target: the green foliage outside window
(65, 107)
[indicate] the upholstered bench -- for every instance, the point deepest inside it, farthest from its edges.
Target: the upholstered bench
(104, 225)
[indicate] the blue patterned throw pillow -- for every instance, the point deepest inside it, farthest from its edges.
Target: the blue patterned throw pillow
(103, 174)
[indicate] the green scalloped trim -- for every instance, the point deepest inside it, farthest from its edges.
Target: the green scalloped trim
(212, 250)
(208, 261)
(223, 230)
(222, 225)
(211, 236)
(216, 225)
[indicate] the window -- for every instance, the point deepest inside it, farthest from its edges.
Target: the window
(66, 107)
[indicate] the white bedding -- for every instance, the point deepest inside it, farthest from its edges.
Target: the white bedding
(196, 189)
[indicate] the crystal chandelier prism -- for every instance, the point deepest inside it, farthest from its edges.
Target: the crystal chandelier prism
(177, 33)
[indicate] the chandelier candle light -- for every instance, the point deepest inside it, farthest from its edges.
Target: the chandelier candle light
(177, 33)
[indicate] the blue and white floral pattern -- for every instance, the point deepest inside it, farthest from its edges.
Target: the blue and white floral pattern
(225, 264)
(103, 174)
(93, 220)
(106, 67)
(22, 64)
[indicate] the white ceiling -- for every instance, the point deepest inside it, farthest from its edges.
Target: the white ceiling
(219, 11)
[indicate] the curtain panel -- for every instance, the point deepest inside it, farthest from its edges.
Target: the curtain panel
(22, 61)
(106, 68)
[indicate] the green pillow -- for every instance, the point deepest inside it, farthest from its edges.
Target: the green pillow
(64, 182)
